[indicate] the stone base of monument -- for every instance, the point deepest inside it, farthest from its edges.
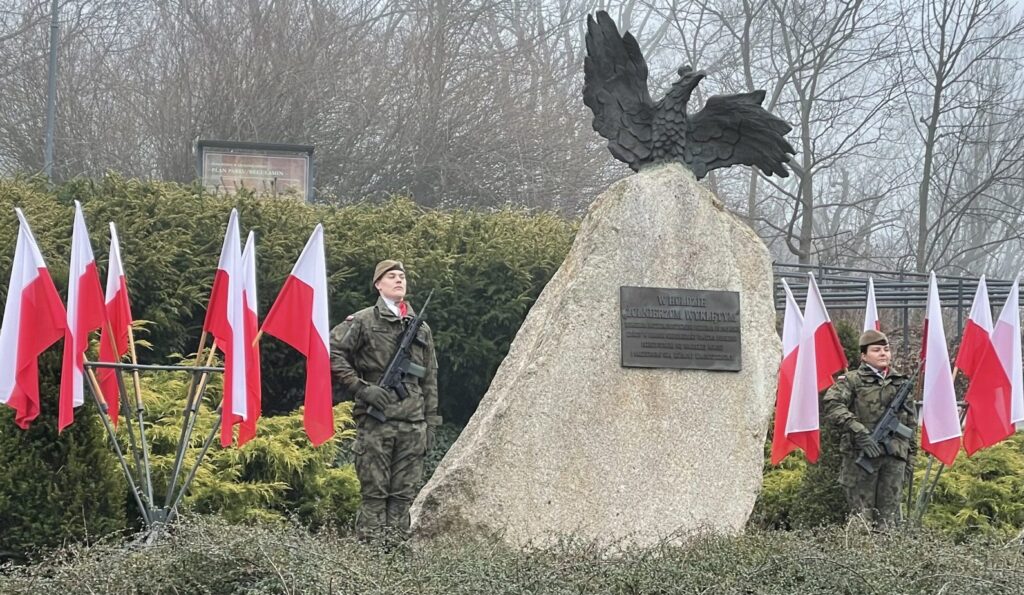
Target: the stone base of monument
(568, 442)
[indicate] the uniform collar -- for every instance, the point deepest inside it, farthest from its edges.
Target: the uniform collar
(872, 372)
(880, 373)
(391, 305)
(386, 311)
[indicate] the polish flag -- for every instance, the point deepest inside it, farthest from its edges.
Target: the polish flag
(791, 323)
(299, 318)
(114, 335)
(85, 314)
(34, 319)
(988, 396)
(216, 310)
(1006, 341)
(940, 423)
(871, 321)
(247, 427)
(225, 321)
(819, 356)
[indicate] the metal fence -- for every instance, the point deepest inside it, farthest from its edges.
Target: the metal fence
(844, 288)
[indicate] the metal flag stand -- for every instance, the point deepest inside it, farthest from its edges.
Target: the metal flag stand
(139, 474)
(916, 512)
(928, 485)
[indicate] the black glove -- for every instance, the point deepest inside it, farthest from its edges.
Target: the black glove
(867, 444)
(374, 396)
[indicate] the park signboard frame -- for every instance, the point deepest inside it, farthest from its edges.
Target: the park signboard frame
(266, 169)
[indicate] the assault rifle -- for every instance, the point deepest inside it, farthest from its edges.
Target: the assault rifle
(401, 363)
(889, 427)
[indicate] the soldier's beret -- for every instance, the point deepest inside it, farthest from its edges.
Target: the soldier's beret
(873, 337)
(383, 267)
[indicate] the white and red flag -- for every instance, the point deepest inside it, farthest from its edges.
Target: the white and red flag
(225, 321)
(216, 310)
(299, 318)
(1006, 341)
(819, 356)
(85, 314)
(34, 319)
(792, 321)
(988, 395)
(114, 334)
(940, 423)
(250, 324)
(871, 321)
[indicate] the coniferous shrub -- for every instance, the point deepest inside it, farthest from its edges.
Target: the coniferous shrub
(980, 496)
(57, 489)
(275, 476)
(486, 269)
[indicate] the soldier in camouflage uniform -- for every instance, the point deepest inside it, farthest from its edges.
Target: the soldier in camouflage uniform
(388, 455)
(854, 405)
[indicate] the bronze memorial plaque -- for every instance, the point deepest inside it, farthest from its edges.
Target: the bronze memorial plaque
(690, 329)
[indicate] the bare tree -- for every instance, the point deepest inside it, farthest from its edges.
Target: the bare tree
(838, 58)
(477, 103)
(955, 102)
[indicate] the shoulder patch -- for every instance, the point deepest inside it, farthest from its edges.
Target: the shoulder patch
(350, 318)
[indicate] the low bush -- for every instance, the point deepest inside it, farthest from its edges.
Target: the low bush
(979, 496)
(57, 488)
(275, 476)
(208, 555)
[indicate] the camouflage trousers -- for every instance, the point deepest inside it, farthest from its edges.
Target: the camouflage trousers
(389, 465)
(874, 496)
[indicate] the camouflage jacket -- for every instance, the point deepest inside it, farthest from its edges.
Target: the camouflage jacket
(862, 396)
(361, 348)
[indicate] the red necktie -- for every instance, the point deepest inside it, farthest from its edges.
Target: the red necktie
(403, 309)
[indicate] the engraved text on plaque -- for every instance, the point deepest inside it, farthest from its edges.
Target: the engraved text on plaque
(680, 328)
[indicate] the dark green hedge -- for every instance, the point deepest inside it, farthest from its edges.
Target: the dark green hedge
(57, 489)
(486, 269)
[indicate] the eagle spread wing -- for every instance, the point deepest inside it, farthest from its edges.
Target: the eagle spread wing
(615, 89)
(735, 129)
(730, 130)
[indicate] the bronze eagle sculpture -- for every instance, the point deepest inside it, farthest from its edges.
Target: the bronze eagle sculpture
(730, 130)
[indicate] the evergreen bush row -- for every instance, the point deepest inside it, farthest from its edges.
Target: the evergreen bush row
(486, 269)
